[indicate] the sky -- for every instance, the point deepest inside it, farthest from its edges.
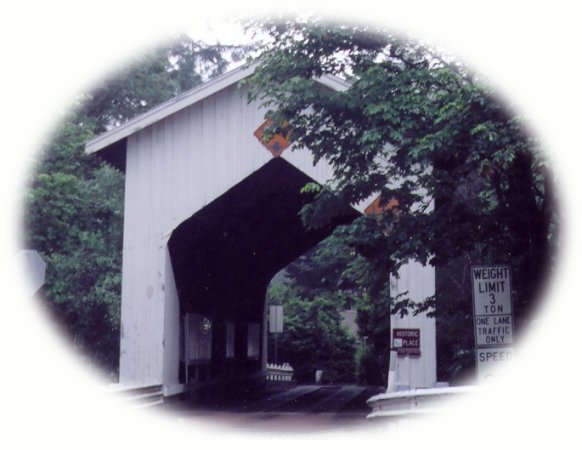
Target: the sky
(220, 30)
(53, 50)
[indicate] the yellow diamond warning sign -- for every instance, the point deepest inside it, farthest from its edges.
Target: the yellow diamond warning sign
(275, 143)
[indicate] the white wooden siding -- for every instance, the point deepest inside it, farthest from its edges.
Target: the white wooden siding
(419, 282)
(174, 168)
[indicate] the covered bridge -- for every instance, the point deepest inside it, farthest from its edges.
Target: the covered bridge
(211, 215)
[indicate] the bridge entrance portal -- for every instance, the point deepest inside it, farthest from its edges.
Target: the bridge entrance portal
(210, 217)
(223, 258)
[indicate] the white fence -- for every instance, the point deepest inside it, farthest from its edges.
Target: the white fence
(282, 372)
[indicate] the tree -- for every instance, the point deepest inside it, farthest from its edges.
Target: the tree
(154, 77)
(75, 220)
(74, 207)
(317, 288)
(313, 337)
(417, 129)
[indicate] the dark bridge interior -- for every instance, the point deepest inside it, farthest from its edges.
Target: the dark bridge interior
(225, 255)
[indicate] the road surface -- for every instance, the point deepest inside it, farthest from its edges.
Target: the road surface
(291, 409)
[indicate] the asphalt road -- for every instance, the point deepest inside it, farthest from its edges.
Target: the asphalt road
(290, 409)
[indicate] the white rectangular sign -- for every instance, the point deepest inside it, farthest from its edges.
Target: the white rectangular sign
(488, 359)
(276, 319)
(491, 289)
(492, 305)
(493, 330)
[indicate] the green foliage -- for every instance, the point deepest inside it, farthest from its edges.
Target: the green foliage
(75, 220)
(154, 77)
(419, 127)
(454, 322)
(313, 334)
(314, 339)
(317, 287)
(369, 367)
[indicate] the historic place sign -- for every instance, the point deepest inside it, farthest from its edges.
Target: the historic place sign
(406, 341)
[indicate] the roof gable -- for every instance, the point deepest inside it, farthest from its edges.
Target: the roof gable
(106, 140)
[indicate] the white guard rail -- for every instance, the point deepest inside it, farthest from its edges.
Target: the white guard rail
(414, 402)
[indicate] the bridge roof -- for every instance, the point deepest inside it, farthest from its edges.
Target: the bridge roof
(110, 140)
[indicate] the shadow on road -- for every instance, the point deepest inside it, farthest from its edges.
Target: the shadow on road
(285, 408)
